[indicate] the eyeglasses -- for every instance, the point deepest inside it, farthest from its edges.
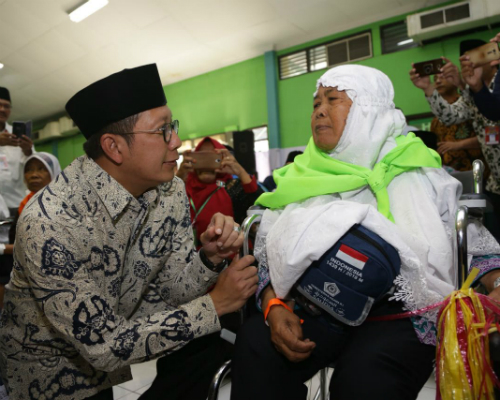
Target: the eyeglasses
(166, 130)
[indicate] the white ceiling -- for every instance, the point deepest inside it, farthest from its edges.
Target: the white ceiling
(48, 58)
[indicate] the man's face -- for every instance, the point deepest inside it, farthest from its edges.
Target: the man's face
(329, 117)
(148, 160)
(444, 86)
(4, 111)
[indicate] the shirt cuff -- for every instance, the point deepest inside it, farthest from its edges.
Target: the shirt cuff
(250, 187)
(202, 315)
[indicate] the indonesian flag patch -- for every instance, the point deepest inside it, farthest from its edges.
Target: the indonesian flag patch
(352, 257)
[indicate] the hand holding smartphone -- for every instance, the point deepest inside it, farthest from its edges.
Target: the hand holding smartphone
(427, 68)
(483, 54)
(206, 160)
(20, 128)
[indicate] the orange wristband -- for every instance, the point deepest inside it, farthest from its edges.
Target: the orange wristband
(275, 302)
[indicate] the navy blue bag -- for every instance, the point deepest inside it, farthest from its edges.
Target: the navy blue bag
(351, 276)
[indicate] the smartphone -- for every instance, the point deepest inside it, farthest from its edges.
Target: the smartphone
(431, 67)
(21, 128)
(206, 160)
(484, 54)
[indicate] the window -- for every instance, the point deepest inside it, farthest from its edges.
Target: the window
(326, 55)
(395, 37)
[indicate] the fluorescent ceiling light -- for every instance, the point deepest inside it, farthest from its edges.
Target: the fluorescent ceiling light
(1, 65)
(405, 42)
(86, 9)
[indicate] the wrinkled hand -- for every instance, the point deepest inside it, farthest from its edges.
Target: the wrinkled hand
(8, 139)
(286, 334)
(450, 72)
(221, 240)
(186, 165)
(26, 145)
(235, 285)
(423, 83)
(444, 147)
(229, 165)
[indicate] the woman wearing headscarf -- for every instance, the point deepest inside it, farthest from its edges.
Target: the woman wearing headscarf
(357, 171)
(39, 170)
(229, 190)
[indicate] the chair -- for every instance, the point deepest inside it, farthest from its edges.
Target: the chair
(472, 205)
(254, 216)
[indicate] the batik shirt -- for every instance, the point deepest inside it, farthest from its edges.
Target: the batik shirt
(462, 110)
(101, 280)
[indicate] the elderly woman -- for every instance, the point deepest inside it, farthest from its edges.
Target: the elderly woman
(357, 173)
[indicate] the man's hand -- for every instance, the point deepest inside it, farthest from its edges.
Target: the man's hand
(8, 139)
(423, 83)
(222, 238)
(471, 74)
(186, 165)
(235, 285)
(450, 72)
(26, 145)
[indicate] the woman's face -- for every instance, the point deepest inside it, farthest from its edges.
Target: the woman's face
(36, 175)
(329, 117)
(206, 175)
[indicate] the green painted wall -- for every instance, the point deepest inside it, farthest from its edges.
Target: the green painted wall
(230, 98)
(295, 94)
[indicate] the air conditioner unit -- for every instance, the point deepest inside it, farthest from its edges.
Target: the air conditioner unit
(452, 18)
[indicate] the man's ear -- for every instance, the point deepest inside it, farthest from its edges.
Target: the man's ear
(112, 147)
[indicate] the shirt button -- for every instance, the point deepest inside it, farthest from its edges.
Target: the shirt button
(206, 278)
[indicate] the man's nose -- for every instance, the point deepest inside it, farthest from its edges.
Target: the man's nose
(175, 142)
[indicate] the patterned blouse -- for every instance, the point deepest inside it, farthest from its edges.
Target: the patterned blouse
(462, 110)
(101, 280)
(459, 160)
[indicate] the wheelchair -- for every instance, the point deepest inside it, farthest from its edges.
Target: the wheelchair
(471, 205)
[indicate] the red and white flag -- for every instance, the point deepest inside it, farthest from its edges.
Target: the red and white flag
(352, 257)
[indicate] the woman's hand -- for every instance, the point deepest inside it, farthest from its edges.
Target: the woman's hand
(222, 239)
(286, 331)
(186, 165)
(497, 40)
(229, 165)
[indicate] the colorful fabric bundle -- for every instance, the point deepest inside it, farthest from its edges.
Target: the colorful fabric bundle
(463, 366)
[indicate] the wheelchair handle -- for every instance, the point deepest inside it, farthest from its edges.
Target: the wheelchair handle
(246, 227)
(461, 228)
(477, 173)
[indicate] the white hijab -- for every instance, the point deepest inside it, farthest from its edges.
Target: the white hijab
(423, 203)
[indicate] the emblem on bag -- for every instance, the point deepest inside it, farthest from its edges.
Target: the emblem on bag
(331, 288)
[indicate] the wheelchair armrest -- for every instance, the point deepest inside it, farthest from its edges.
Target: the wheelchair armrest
(476, 202)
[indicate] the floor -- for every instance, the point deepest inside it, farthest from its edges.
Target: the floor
(145, 373)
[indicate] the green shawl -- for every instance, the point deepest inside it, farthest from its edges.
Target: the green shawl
(315, 173)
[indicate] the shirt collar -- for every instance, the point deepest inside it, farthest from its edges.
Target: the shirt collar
(113, 195)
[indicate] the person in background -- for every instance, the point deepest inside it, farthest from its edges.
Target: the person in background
(269, 181)
(13, 154)
(465, 109)
(210, 191)
(487, 102)
(105, 273)
(457, 143)
(39, 170)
